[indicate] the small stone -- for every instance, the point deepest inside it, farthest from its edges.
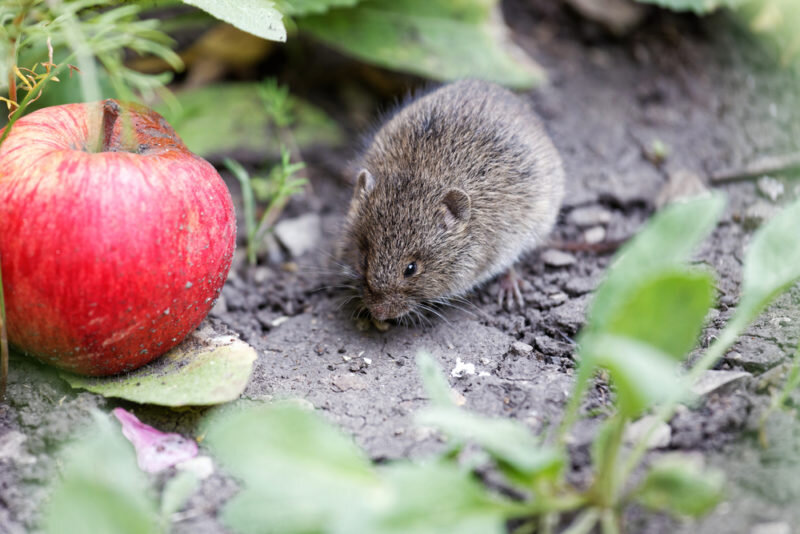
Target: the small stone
(368, 361)
(521, 348)
(279, 321)
(462, 368)
(660, 437)
(776, 527)
(558, 298)
(349, 381)
(557, 258)
(770, 187)
(261, 275)
(589, 216)
(711, 381)
(299, 235)
(594, 235)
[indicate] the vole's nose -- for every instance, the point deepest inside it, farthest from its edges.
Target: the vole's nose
(381, 312)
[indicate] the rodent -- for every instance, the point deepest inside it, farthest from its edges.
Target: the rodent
(449, 192)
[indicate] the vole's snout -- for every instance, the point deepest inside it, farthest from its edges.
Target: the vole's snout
(383, 308)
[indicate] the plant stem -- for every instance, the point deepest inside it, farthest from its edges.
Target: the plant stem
(604, 489)
(584, 523)
(609, 522)
(585, 372)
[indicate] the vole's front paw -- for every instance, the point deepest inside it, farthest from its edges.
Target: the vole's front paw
(509, 291)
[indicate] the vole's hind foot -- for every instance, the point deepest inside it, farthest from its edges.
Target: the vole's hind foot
(509, 291)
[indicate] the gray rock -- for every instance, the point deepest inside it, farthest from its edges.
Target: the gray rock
(557, 258)
(595, 234)
(299, 235)
(711, 381)
(521, 348)
(619, 17)
(589, 216)
(681, 184)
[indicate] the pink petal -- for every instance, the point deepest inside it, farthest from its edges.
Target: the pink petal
(155, 450)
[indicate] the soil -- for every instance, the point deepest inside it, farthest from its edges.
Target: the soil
(698, 86)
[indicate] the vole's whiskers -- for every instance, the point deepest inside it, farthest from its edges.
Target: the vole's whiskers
(433, 310)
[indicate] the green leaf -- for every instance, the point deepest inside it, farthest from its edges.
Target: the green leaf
(509, 442)
(199, 371)
(309, 7)
(642, 375)
(700, 7)
(221, 119)
(666, 241)
(439, 39)
(434, 381)
(772, 262)
(665, 310)
(258, 17)
(678, 484)
(101, 488)
(435, 498)
(299, 474)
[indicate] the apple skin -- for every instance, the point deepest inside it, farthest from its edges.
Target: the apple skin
(110, 257)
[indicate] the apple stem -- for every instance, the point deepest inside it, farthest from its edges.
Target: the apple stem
(111, 112)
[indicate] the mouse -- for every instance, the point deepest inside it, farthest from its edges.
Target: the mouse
(449, 191)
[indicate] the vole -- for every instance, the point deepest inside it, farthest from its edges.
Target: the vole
(449, 192)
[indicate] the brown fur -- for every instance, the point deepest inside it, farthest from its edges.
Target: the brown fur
(461, 181)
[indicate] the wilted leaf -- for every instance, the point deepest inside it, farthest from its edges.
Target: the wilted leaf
(509, 442)
(697, 6)
(666, 310)
(678, 484)
(218, 120)
(772, 262)
(299, 473)
(199, 371)
(439, 39)
(666, 241)
(642, 375)
(432, 499)
(258, 17)
(155, 450)
(101, 488)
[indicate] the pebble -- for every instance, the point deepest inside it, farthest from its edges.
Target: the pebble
(521, 348)
(660, 437)
(589, 216)
(300, 234)
(619, 17)
(557, 258)
(462, 368)
(681, 184)
(711, 381)
(594, 235)
(757, 214)
(770, 187)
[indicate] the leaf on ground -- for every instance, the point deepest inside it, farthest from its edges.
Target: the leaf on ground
(680, 485)
(439, 39)
(155, 450)
(700, 7)
(177, 491)
(205, 369)
(101, 489)
(642, 375)
(218, 120)
(435, 498)
(258, 17)
(665, 310)
(308, 7)
(666, 241)
(299, 473)
(434, 381)
(772, 262)
(509, 442)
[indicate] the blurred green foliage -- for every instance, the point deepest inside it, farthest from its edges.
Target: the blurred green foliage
(298, 474)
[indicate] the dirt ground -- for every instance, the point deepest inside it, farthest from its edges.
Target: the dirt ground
(700, 88)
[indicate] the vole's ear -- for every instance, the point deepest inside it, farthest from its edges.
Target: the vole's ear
(365, 182)
(457, 207)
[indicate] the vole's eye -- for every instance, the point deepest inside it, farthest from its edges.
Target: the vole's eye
(411, 269)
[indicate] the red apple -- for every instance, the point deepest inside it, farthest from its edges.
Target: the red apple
(115, 240)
